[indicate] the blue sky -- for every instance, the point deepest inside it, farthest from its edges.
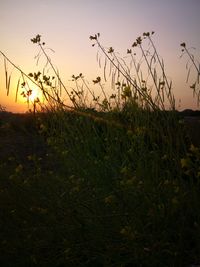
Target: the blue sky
(65, 25)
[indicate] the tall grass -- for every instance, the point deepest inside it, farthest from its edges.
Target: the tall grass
(118, 182)
(192, 63)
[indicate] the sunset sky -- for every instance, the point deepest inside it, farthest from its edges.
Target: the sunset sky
(65, 26)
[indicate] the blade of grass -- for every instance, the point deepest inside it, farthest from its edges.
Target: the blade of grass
(17, 89)
(8, 88)
(104, 69)
(6, 73)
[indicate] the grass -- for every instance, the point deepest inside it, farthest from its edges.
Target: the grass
(94, 194)
(107, 185)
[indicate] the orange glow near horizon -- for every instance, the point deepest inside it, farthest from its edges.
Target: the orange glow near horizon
(22, 100)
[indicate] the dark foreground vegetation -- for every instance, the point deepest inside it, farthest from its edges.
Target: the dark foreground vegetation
(112, 180)
(98, 190)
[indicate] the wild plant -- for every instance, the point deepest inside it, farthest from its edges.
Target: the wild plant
(192, 64)
(117, 186)
(148, 85)
(50, 86)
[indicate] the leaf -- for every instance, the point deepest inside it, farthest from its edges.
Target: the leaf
(139, 40)
(8, 85)
(93, 37)
(146, 34)
(99, 61)
(188, 75)
(36, 39)
(134, 44)
(98, 79)
(23, 84)
(193, 86)
(6, 73)
(198, 75)
(183, 45)
(17, 90)
(104, 69)
(163, 64)
(111, 50)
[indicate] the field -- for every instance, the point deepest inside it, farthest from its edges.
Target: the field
(98, 190)
(112, 180)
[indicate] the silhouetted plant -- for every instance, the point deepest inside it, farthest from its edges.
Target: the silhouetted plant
(195, 64)
(111, 184)
(135, 86)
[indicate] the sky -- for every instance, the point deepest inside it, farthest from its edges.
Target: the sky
(65, 27)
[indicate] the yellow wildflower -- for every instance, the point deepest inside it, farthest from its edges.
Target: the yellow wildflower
(109, 199)
(19, 168)
(193, 148)
(184, 162)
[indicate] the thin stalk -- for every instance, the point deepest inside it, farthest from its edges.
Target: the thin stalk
(53, 68)
(149, 100)
(29, 78)
(192, 59)
(163, 71)
(152, 74)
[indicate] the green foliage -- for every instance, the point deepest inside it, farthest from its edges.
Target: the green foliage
(111, 190)
(111, 184)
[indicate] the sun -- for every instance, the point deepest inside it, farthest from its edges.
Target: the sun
(35, 95)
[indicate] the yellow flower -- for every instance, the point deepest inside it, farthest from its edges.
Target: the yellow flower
(109, 199)
(19, 168)
(193, 148)
(127, 232)
(43, 128)
(30, 157)
(184, 162)
(140, 130)
(123, 231)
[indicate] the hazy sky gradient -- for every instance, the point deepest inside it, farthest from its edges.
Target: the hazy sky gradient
(65, 25)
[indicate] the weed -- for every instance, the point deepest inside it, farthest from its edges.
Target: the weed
(192, 63)
(112, 184)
